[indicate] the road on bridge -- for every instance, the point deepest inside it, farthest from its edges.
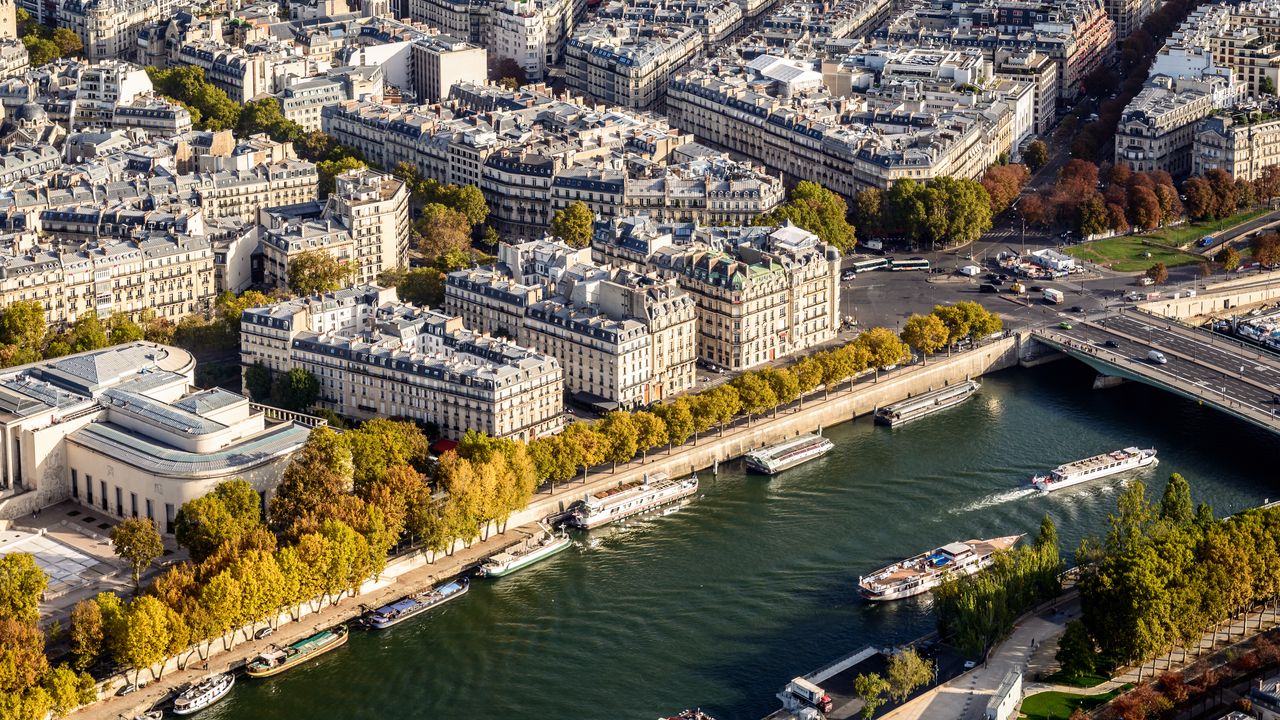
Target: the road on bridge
(1237, 378)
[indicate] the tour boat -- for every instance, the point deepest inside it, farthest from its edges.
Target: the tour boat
(1098, 466)
(524, 553)
(274, 662)
(928, 570)
(630, 498)
(203, 694)
(926, 404)
(786, 455)
(411, 605)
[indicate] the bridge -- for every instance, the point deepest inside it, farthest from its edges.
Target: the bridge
(1237, 379)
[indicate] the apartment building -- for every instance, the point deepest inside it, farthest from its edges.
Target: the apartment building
(1038, 70)
(109, 28)
(715, 20)
(467, 19)
(629, 63)
(1241, 38)
(302, 101)
(375, 209)
(374, 357)
(155, 114)
(123, 431)
(533, 33)
(170, 275)
(241, 194)
(1129, 14)
(1157, 130)
(624, 339)
(1242, 143)
(102, 86)
(442, 61)
(761, 293)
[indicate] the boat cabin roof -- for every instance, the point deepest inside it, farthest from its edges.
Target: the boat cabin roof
(501, 558)
(956, 548)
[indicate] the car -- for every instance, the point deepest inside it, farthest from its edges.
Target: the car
(1156, 357)
(264, 633)
(1004, 277)
(1036, 288)
(1111, 344)
(131, 688)
(991, 276)
(997, 282)
(970, 664)
(988, 288)
(1077, 309)
(848, 275)
(1065, 325)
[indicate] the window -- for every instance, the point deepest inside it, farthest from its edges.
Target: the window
(88, 488)
(150, 514)
(119, 501)
(168, 518)
(75, 485)
(102, 487)
(133, 504)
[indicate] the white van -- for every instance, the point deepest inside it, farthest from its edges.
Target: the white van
(1157, 357)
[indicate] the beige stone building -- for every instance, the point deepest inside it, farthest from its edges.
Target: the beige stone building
(1242, 144)
(124, 431)
(1157, 129)
(375, 208)
(374, 357)
(171, 276)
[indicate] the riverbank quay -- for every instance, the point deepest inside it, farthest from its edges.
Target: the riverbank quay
(418, 570)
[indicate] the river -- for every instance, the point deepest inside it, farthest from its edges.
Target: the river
(718, 604)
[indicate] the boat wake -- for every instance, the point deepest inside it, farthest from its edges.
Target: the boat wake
(994, 499)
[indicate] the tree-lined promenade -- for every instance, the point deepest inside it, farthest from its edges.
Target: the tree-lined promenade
(347, 498)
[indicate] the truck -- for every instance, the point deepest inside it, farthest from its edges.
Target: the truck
(1153, 296)
(970, 271)
(808, 694)
(873, 244)
(1054, 296)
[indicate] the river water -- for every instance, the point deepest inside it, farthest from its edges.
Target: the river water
(721, 602)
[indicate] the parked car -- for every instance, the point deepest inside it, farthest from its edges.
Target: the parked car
(1077, 309)
(1111, 344)
(131, 688)
(264, 633)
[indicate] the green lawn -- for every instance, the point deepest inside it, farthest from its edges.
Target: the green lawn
(1080, 681)
(1126, 253)
(1059, 705)
(1188, 233)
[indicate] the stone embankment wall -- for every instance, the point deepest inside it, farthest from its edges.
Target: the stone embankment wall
(1221, 299)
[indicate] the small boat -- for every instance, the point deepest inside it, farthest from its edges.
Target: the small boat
(928, 570)
(524, 553)
(926, 404)
(278, 660)
(631, 498)
(150, 715)
(689, 715)
(774, 459)
(411, 605)
(203, 694)
(1098, 466)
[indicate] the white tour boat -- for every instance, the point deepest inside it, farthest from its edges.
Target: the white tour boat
(1098, 466)
(928, 570)
(630, 499)
(203, 694)
(786, 455)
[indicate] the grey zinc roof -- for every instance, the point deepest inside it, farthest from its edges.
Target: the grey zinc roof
(212, 400)
(119, 443)
(96, 369)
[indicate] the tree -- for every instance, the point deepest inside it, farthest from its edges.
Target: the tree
(225, 515)
(316, 271)
(87, 333)
(755, 393)
(1229, 257)
(443, 230)
(904, 208)
(783, 383)
(1048, 535)
(508, 69)
(867, 206)
(146, 636)
(328, 170)
(1092, 216)
(137, 542)
(67, 690)
(380, 444)
(257, 382)
(621, 437)
(22, 658)
(808, 372)
(818, 210)
(1144, 208)
(1201, 201)
(316, 485)
(211, 108)
(907, 671)
(1003, 183)
(1077, 653)
(1223, 187)
(1036, 155)
(872, 689)
(22, 325)
(925, 333)
(1175, 505)
(265, 116)
(678, 419)
(651, 431)
(41, 51)
(1033, 210)
(124, 330)
(1266, 249)
(22, 582)
(296, 390)
(1158, 273)
(584, 445)
(884, 347)
(574, 224)
(86, 634)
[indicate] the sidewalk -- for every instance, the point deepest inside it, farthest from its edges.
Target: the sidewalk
(966, 697)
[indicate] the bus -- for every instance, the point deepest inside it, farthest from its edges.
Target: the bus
(868, 264)
(912, 264)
